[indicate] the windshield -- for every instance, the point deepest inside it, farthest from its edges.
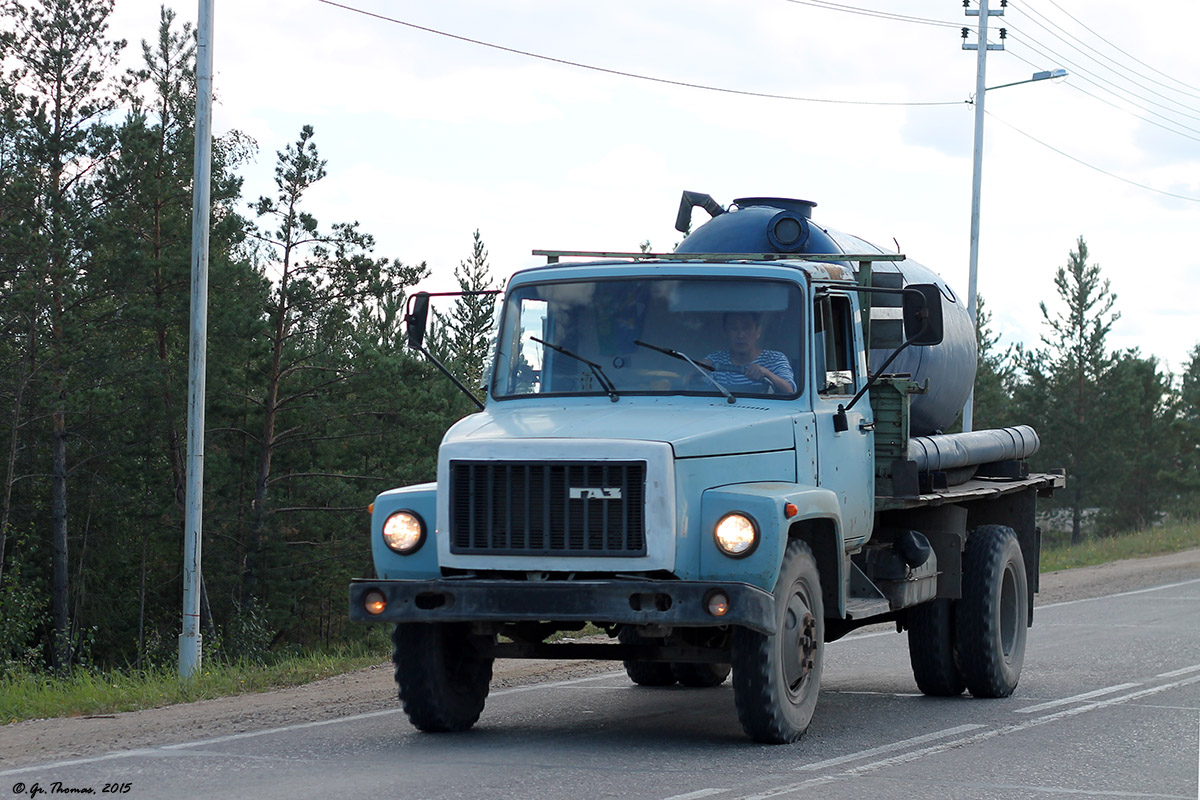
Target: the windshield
(651, 336)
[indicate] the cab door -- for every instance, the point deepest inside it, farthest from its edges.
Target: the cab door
(845, 459)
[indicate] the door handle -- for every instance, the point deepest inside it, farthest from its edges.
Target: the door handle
(864, 426)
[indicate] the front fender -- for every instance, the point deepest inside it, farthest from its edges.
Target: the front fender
(423, 564)
(766, 502)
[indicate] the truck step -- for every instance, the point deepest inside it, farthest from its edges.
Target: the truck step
(863, 607)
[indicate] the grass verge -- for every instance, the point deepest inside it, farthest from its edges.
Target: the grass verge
(1170, 537)
(25, 695)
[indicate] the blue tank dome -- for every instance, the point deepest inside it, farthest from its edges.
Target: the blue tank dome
(762, 225)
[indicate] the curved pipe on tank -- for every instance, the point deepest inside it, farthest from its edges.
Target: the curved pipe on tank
(956, 450)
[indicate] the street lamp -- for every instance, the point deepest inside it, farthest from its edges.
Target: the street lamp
(976, 180)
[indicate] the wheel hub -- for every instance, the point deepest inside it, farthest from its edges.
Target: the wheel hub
(799, 642)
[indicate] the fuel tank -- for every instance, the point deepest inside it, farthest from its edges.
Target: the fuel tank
(782, 225)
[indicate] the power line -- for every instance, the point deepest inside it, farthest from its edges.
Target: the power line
(1083, 76)
(1030, 10)
(870, 12)
(1091, 166)
(1099, 82)
(1118, 49)
(1113, 71)
(621, 73)
(770, 96)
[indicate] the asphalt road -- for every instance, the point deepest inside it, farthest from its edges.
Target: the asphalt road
(1108, 707)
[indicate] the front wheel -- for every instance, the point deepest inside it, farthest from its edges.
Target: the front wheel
(776, 677)
(443, 681)
(992, 616)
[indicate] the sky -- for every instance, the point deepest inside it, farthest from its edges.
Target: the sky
(430, 137)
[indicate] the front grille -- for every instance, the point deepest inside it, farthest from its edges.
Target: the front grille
(559, 508)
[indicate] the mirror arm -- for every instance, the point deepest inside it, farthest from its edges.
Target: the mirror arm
(416, 338)
(871, 379)
(451, 376)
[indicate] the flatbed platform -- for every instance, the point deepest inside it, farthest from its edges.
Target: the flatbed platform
(975, 489)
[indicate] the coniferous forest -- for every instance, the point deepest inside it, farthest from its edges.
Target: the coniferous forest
(314, 405)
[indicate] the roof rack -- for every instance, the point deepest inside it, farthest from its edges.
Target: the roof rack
(552, 256)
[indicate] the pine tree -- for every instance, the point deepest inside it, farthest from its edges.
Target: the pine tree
(63, 61)
(463, 339)
(1137, 425)
(321, 281)
(1062, 390)
(1184, 475)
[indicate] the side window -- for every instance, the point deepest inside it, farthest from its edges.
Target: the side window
(833, 346)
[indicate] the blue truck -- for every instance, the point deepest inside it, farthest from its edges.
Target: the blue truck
(724, 458)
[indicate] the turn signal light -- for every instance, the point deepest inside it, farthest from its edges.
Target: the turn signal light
(374, 602)
(790, 509)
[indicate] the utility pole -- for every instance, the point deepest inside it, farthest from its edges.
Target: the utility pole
(189, 639)
(981, 45)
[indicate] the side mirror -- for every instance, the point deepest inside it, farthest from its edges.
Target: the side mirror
(923, 314)
(417, 318)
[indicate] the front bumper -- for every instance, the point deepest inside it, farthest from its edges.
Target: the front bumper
(671, 603)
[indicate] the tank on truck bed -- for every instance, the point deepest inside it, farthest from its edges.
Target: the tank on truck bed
(723, 458)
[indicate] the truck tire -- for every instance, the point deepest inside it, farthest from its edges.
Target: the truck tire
(931, 649)
(992, 616)
(443, 682)
(701, 676)
(776, 678)
(645, 673)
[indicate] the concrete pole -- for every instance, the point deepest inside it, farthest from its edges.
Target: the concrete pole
(189, 639)
(976, 180)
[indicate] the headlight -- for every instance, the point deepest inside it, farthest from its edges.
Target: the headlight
(404, 532)
(736, 535)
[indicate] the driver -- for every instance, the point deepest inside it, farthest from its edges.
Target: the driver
(745, 365)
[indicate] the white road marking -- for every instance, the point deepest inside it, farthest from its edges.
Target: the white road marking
(696, 794)
(1085, 696)
(1176, 673)
(200, 742)
(1121, 594)
(1106, 625)
(554, 684)
(533, 687)
(860, 636)
(1064, 790)
(233, 737)
(888, 748)
(975, 738)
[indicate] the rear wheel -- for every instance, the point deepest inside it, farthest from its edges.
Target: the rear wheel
(645, 673)
(776, 677)
(443, 681)
(931, 649)
(701, 676)
(992, 617)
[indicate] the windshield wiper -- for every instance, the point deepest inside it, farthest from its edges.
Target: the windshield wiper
(597, 370)
(703, 369)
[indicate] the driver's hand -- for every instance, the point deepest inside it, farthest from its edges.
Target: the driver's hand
(757, 372)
